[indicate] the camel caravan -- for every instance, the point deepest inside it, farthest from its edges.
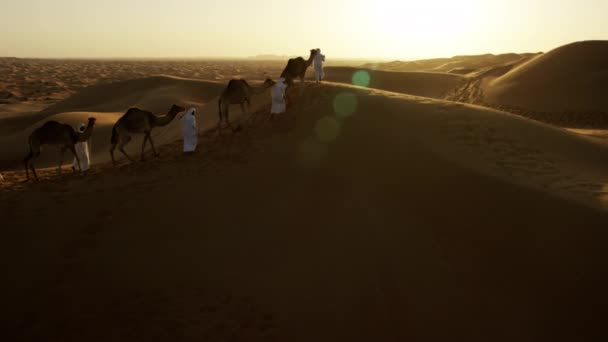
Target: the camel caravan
(138, 121)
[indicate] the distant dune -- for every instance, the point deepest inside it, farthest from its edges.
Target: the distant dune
(570, 78)
(456, 64)
(565, 87)
(428, 84)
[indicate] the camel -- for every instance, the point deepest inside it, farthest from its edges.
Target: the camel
(238, 92)
(137, 121)
(54, 133)
(296, 68)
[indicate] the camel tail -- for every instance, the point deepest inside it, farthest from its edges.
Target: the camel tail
(114, 138)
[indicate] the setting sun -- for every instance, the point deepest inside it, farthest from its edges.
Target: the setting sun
(384, 29)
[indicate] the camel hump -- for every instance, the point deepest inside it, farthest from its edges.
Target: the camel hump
(235, 84)
(235, 81)
(51, 123)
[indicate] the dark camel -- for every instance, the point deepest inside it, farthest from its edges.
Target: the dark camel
(137, 121)
(296, 68)
(237, 92)
(54, 133)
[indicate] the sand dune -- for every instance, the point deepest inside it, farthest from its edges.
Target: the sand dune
(570, 78)
(435, 85)
(107, 103)
(415, 219)
(565, 87)
(154, 93)
(456, 64)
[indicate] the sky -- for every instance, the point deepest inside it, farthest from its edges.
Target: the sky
(376, 29)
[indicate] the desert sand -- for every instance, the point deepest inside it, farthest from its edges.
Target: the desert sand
(362, 214)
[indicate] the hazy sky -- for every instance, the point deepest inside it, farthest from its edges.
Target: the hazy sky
(238, 28)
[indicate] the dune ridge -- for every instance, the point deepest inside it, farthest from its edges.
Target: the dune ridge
(564, 87)
(107, 102)
(428, 84)
(456, 64)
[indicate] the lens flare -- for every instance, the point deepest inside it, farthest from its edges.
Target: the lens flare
(345, 104)
(327, 129)
(361, 78)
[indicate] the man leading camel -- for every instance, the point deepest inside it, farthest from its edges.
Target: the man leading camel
(278, 97)
(190, 130)
(317, 62)
(82, 151)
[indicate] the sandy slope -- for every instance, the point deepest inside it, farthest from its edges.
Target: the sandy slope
(573, 77)
(422, 220)
(427, 84)
(456, 64)
(107, 103)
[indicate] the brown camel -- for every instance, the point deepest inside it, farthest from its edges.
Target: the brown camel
(137, 121)
(296, 68)
(57, 134)
(237, 92)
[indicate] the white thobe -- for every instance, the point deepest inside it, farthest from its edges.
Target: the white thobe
(190, 130)
(278, 98)
(82, 151)
(318, 65)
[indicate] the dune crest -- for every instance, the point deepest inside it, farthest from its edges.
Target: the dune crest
(107, 102)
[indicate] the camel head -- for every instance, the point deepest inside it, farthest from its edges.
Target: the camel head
(175, 109)
(84, 136)
(268, 83)
(313, 53)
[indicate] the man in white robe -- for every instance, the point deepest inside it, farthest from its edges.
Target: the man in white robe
(278, 97)
(317, 62)
(82, 150)
(190, 130)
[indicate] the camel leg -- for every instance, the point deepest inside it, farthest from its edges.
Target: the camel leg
(121, 147)
(61, 155)
(143, 145)
(29, 163)
(301, 85)
(156, 154)
(223, 112)
(230, 125)
(26, 161)
(227, 116)
(112, 153)
(34, 172)
(245, 111)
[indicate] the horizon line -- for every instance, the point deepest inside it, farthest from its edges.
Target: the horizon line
(260, 57)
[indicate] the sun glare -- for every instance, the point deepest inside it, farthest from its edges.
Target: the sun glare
(423, 25)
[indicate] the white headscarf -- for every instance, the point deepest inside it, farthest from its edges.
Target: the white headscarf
(190, 111)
